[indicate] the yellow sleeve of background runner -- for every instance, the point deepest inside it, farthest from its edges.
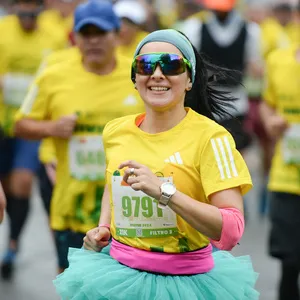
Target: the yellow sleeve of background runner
(47, 152)
(268, 92)
(36, 102)
(222, 166)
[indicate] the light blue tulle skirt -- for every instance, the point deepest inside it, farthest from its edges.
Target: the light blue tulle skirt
(97, 276)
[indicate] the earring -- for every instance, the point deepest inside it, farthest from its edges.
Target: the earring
(189, 88)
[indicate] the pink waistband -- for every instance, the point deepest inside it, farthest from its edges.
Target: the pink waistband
(188, 263)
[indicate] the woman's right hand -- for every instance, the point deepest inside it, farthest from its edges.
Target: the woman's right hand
(96, 239)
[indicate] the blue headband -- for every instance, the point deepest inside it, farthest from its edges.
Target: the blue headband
(175, 38)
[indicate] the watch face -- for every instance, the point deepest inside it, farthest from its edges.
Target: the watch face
(169, 188)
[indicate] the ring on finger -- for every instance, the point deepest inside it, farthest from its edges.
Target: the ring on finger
(131, 171)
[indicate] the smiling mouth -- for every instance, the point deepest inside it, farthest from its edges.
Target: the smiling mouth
(159, 88)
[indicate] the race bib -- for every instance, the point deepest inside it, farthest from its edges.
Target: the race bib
(15, 88)
(138, 215)
(291, 145)
(87, 158)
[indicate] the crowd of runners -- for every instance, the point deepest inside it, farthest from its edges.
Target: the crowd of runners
(134, 116)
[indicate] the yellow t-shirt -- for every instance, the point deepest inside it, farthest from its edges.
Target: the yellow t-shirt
(129, 50)
(47, 149)
(283, 93)
(21, 54)
(293, 31)
(274, 36)
(197, 155)
(65, 89)
(54, 22)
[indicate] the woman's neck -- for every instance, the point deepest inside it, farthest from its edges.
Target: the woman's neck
(159, 121)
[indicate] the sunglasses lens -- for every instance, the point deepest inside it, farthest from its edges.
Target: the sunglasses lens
(144, 65)
(171, 64)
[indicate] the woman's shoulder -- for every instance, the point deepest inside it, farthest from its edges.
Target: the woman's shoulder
(118, 125)
(206, 124)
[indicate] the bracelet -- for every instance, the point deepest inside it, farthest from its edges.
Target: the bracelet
(105, 225)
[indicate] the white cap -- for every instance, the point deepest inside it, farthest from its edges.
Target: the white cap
(132, 10)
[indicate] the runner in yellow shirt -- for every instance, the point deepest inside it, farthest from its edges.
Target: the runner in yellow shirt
(23, 45)
(71, 102)
(281, 115)
(173, 177)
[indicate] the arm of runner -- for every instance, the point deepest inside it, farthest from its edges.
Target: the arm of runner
(38, 129)
(274, 124)
(206, 218)
(2, 203)
(225, 178)
(98, 238)
(34, 118)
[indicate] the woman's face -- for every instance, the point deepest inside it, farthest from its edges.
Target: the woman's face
(149, 86)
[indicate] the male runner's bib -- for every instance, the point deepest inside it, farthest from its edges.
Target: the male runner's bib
(87, 158)
(138, 215)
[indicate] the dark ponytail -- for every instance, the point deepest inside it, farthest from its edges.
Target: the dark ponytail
(205, 96)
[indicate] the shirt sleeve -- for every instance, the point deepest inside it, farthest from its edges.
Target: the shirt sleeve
(36, 103)
(222, 166)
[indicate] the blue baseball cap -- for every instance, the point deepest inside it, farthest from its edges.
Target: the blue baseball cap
(99, 13)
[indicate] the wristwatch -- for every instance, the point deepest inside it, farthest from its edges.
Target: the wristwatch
(167, 189)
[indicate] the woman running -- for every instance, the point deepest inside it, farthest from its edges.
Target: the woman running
(175, 183)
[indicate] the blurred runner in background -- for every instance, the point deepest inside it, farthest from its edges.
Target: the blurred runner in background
(72, 102)
(23, 45)
(281, 116)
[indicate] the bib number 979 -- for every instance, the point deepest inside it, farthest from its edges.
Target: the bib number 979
(140, 207)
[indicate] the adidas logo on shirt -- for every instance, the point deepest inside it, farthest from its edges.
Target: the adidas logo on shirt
(224, 157)
(175, 159)
(130, 100)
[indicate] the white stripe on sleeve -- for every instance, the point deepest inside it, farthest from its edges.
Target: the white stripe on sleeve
(231, 158)
(223, 153)
(218, 159)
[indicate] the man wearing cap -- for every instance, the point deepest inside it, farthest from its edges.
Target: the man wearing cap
(133, 16)
(72, 102)
(228, 40)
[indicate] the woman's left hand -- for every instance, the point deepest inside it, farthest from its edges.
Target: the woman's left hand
(140, 178)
